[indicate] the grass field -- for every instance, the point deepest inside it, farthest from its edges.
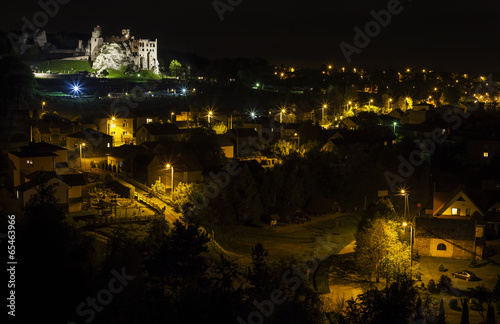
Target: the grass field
(301, 241)
(68, 66)
(61, 66)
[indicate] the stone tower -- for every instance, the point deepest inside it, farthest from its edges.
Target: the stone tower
(148, 54)
(95, 43)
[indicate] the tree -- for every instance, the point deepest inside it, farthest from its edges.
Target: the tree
(379, 252)
(465, 312)
(283, 148)
(441, 317)
(175, 68)
(220, 128)
(394, 304)
(44, 237)
(490, 316)
(259, 274)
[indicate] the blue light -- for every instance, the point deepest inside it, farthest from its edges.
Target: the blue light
(76, 88)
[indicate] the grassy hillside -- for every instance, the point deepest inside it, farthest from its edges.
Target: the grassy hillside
(61, 66)
(65, 66)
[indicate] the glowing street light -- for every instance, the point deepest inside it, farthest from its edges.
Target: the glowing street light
(389, 103)
(75, 88)
(407, 207)
(370, 103)
(405, 224)
(210, 114)
(170, 166)
(394, 125)
(323, 111)
(172, 116)
(43, 104)
(298, 141)
(81, 157)
(282, 111)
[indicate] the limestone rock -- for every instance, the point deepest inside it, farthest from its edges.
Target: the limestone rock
(114, 56)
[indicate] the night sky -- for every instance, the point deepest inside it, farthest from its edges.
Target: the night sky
(454, 35)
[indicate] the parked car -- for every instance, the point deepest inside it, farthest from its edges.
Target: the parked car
(464, 274)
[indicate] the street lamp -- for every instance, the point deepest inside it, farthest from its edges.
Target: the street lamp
(389, 103)
(210, 113)
(411, 242)
(172, 116)
(298, 141)
(394, 124)
(407, 206)
(323, 110)
(169, 166)
(81, 144)
(370, 103)
(282, 111)
(43, 104)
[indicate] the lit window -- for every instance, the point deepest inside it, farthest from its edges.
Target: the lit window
(109, 144)
(485, 154)
(441, 247)
(149, 120)
(455, 211)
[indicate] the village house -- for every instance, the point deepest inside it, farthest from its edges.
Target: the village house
(68, 189)
(36, 157)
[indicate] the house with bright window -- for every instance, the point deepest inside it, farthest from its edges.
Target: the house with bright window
(36, 157)
(121, 128)
(455, 229)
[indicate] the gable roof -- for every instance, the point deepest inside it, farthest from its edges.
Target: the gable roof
(84, 134)
(443, 203)
(72, 180)
(38, 150)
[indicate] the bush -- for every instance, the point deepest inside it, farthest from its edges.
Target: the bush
(454, 304)
(431, 286)
(444, 283)
(496, 290)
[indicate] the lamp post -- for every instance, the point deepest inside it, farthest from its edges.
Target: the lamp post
(370, 103)
(81, 144)
(389, 104)
(169, 166)
(298, 141)
(411, 242)
(210, 113)
(172, 116)
(323, 112)
(394, 124)
(281, 115)
(43, 105)
(407, 206)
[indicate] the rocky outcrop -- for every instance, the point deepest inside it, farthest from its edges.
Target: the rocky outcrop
(114, 56)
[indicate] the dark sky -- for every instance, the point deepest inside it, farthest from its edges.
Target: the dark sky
(453, 35)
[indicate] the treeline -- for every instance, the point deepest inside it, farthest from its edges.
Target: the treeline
(154, 274)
